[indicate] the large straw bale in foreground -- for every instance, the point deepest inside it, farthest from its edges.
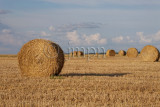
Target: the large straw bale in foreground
(150, 53)
(110, 53)
(40, 58)
(132, 52)
(121, 53)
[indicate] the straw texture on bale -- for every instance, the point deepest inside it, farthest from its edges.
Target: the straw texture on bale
(150, 53)
(80, 53)
(40, 58)
(132, 52)
(110, 53)
(121, 53)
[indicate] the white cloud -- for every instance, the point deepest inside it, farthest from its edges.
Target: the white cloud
(128, 39)
(93, 39)
(3, 26)
(148, 38)
(73, 27)
(51, 28)
(156, 37)
(7, 38)
(4, 11)
(143, 39)
(6, 31)
(102, 41)
(139, 38)
(73, 37)
(43, 33)
(31, 33)
(117, 39)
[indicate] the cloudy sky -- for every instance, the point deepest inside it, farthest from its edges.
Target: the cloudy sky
(112, 24)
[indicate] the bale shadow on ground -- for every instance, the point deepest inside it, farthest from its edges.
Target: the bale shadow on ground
(95, 74)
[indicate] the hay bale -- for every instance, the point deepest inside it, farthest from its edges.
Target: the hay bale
(75, 53)
(121, 53)
(97, 54)
(110, 53)
(132, 52)
(71, 54)
(80, 53)
(150, 53)
(40, 58)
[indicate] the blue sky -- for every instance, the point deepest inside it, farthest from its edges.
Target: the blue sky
(116, 24)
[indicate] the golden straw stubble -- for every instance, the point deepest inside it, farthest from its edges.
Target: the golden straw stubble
(132, 52)
(110, 53)
(40, 58)
(150, 53)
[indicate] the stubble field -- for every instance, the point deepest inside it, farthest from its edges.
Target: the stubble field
(97, 82)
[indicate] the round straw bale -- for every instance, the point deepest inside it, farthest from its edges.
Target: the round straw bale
(97, 54)
(150, 53)
(121, 53)
(132, 52)
(80, 53)
(40, 58)
(110, 53)
(71, 54)
(75, 53)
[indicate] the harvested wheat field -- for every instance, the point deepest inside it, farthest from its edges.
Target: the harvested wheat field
(105, 82)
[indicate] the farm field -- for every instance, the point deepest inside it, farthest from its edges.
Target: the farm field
(95, 82)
